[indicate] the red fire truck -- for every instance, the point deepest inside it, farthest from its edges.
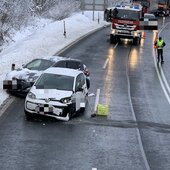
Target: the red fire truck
(127, 21)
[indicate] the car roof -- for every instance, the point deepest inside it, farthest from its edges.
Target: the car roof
(71, 59)
(63, 71)
(59, 58)
(52, 58)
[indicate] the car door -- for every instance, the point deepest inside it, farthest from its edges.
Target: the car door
(80, 91)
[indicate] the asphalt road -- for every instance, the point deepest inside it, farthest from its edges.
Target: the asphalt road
(135, 134)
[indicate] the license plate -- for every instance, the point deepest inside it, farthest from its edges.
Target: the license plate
(44, 109)
(124, 32)
(10, 84)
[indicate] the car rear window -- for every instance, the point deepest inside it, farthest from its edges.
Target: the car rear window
(70, 64)
(73, 65)
(39, 64)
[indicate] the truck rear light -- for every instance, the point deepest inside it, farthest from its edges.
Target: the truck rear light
(113, 25)
(135, 34)
(113, 31)
(136, 28)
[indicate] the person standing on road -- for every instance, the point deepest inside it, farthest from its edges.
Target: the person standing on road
(160, 44)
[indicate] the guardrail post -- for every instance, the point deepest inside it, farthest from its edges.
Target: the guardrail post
(64, 30)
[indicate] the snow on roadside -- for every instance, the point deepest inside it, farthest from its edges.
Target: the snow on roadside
(45, 41)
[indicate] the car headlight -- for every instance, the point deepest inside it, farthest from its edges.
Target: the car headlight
(135, 34)
(66, 100)
(31, 79)
(31, 95)
(113, 31)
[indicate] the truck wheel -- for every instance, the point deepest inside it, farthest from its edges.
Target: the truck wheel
(72, 111)
(135, 41)
(88, 83)
(112, 39)
(117, 40)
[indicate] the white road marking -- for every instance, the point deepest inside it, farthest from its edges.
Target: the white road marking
(107, 60)
(161, 76)
(115, 45)
(94, 168)
(161, 82)
(134, 118)
(7, 104)
(105, 64)
(97, 100)
(165, 80)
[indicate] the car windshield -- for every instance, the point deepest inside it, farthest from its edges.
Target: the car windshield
(53, 81)
(127, 14)
(69, 64)
(39, 64)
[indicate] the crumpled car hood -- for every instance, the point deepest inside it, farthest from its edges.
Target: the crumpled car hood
(22, 74)
(50, 93)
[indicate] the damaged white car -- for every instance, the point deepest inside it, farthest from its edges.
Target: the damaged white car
(21, 80)
(58, 93)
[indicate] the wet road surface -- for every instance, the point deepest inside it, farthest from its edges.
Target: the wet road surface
(135, 135)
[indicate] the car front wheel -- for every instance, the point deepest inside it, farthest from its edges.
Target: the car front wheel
(28, 115)
(88, 83)
(72, 111)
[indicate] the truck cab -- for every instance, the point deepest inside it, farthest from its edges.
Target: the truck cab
(125, 23)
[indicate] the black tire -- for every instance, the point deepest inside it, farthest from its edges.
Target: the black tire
(112, 39)
(72, 112)
(82, 110)
(28, 116)
(88, 83)
(136, 41)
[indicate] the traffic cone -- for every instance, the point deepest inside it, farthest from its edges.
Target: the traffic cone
(154, 46)
(144, 34)
(156, 37)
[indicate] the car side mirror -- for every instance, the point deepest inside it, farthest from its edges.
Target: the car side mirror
(79, 89)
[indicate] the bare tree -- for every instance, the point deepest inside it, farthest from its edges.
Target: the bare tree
(60, 9)
(15, 14)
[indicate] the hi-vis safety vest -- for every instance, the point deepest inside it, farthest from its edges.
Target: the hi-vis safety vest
(160, 44)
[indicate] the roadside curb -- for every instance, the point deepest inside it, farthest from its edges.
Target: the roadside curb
(80, 38)
(5, 104)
